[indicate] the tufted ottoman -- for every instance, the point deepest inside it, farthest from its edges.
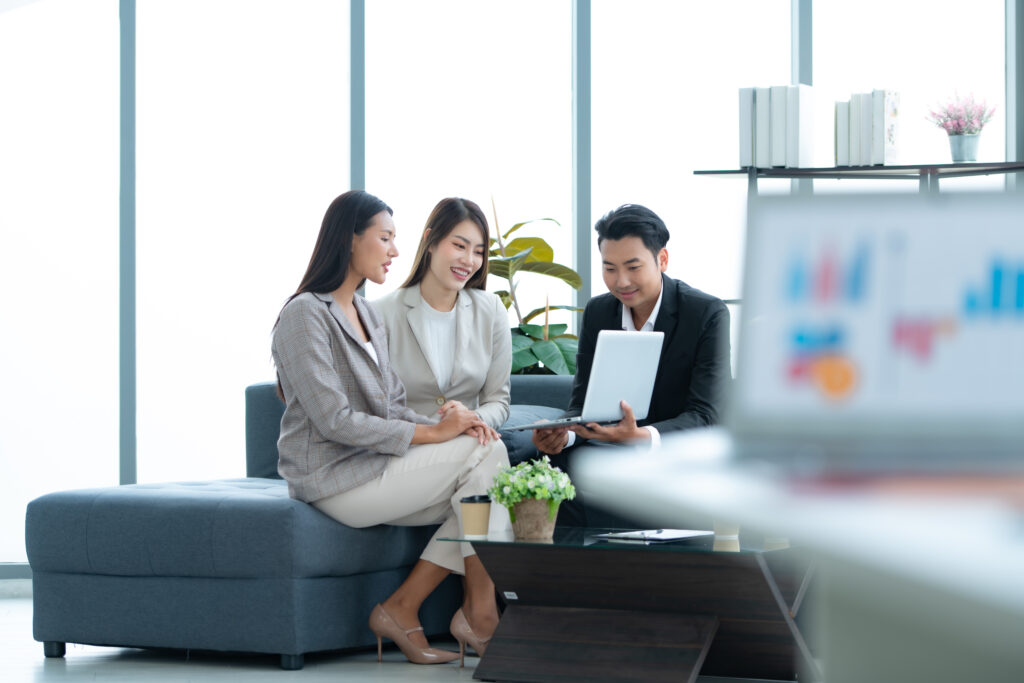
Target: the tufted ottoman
(231, 565)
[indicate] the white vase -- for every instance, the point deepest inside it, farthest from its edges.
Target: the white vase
(964, 147)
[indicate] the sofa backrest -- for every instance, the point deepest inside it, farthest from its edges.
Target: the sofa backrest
(553, 391)
(263, 411)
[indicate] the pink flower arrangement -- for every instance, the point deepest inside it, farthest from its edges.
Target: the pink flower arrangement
(962, 116)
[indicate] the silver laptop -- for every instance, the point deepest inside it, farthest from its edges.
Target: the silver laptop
(625, 367)
(882, 332)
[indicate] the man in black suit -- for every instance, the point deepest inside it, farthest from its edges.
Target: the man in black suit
(694, 365)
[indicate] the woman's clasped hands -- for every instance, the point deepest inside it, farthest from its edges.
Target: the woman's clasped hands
(461, 420)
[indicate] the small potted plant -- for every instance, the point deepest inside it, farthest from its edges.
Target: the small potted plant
(532, 492)
(962, 118)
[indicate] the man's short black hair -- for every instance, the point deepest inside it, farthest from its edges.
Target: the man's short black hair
(633, 220)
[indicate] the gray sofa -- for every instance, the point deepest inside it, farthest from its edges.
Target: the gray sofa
(228, 565)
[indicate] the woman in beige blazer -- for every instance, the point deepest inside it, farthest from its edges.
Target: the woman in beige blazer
(351, 447)
(449, 339)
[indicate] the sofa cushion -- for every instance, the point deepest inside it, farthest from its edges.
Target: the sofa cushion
(518, 442)
(226, 528)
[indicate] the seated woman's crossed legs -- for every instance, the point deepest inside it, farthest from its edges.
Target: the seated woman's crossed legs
(424, 487)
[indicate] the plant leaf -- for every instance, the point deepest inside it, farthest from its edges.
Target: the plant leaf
(521, 341)
(539, 249)
(534, 331)
(523, 358)
(569, 347)
(549, 353)
(505, 297)
(538, 311)
(507, 266)
(556, 330)
(556, 270)
(535, 220)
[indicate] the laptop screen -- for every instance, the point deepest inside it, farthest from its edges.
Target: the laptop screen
(890, 315)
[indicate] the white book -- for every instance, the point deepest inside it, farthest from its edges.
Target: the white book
(763, 129)
(866, 133)
(842, 133)
(885, 106)
(780, 100)
(855, 110)
(800, 126)
(747, 125)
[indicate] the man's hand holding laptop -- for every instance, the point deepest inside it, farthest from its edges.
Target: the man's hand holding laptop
(552, 441)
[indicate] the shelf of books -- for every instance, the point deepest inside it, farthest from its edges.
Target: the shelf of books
(790, 131)
(902, 171)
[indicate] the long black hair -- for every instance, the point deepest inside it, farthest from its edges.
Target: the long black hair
(350, 214)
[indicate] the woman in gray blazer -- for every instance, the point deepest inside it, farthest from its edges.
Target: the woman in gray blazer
(351, 447)
(449, 339)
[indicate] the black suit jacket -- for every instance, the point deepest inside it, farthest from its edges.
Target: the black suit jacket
(695, 360)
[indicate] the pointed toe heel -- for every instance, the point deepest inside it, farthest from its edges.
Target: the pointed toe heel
(383, 626)
(463, 633)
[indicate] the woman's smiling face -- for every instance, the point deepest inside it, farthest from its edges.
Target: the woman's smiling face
(457, 256)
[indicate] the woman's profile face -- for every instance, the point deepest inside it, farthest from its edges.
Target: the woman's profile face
(458, 255)
(373, 250)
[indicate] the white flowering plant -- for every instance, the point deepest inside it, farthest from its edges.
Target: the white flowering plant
(534, 479)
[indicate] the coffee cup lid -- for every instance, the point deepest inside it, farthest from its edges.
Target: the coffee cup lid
(477, 499)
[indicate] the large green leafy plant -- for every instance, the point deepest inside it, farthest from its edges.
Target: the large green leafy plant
(536, 348)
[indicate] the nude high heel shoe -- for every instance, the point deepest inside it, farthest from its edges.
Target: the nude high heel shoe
(383, 626)
(463, 633)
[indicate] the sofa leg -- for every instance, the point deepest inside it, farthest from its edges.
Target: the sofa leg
(292, 662)
(53, 648)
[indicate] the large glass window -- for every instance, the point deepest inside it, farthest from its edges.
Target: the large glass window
(243, 129)
(665, 78)
(58, 254)
(926, 53)
(472, 99)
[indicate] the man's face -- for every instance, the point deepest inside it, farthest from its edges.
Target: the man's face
(631, 272)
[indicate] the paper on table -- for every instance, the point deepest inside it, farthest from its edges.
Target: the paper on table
(654, 534)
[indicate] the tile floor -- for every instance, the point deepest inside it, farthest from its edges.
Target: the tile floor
(22, 661)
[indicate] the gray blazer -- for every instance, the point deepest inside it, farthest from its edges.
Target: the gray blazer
(344, 414)
(483, 353)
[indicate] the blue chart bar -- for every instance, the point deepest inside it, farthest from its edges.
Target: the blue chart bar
(855, 280)
(1018, 301)
(799, 284)
(997, 286)
(1005, 292)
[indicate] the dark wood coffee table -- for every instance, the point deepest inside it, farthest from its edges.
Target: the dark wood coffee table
(584, 609)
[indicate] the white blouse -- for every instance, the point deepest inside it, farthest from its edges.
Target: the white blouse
(373, 352)
(440, 328)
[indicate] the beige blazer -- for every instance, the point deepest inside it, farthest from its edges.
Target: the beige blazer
(345, 414)
(483, 353)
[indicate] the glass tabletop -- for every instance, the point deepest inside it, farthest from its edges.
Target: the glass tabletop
(579, 537)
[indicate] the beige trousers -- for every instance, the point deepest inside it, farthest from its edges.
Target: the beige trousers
(423, 487)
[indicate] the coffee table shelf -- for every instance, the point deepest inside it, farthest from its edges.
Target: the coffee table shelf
(586, 609)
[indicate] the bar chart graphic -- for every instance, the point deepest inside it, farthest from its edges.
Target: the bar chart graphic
(828, 278)
(893, 310)
(1001, 292)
